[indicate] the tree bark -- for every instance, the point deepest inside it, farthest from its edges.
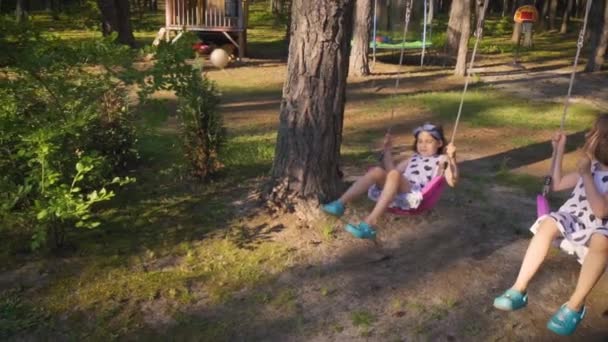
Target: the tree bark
(544, 14)
(277, 6)
(431, 12)
(115, 17)
(465, 33)
(307, 154)
(566, 17)
(359, 61)
(21, 10)
(552, 14)
(454, 29)
(599, 36)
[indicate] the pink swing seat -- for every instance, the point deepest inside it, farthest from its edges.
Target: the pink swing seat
(431, 193)
(542, 206)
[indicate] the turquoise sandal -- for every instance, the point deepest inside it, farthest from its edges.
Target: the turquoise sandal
(361, 231)
(511, 300)
(565, 320)
(335, 208)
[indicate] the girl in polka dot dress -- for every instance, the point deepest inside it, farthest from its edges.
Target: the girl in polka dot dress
(400, 186)
(582, 223)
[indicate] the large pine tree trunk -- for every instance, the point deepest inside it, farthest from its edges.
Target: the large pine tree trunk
(465, 33)
(359, 61)
(306, 163)
(599, 35)
(566, 17)
(115, 17)
(455, 26)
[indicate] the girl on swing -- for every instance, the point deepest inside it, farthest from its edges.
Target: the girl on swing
(400, 186)
(582, 221)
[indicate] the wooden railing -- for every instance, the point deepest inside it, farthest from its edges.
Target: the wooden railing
(204, 14)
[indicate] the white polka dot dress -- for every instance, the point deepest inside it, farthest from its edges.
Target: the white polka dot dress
(575, 219)
(419, 171)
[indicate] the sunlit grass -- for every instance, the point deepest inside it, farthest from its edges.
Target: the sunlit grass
(112, 289)
(489, 108)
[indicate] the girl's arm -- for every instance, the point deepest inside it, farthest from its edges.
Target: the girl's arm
(451, 172)
(597, 201)
(403, 165)
(387, 155)
(558, 182)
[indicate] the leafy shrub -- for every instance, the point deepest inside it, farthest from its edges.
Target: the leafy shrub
(65, 131)
(202, 127)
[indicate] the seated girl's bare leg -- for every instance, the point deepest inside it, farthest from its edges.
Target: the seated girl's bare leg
(375, 175)
(536, 253)
(395, 182)
(593, 268)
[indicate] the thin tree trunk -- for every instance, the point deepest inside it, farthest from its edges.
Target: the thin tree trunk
(566, 17)
(514, 6)
(455, 26)
(552, 14)
(306, 163)
(359, 61)
(116, 18)
(389, 17)
(431, 12)
(505, 6)
(463, 48)
(599, 36)
(21, 10)
(544, 14)
(276, 6)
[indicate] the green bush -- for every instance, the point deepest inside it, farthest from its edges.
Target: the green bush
(65, 129)
(203, 131)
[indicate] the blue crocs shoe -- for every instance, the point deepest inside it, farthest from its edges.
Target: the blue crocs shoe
(565, 321)
(511, 300)
(335, 208)
(361, 231)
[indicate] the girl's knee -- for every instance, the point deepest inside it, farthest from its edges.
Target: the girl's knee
(376, 172)
(598, 243)
(548, 228)
(393, 174)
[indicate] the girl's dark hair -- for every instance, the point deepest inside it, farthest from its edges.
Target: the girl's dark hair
(599, 133)
(439, 130)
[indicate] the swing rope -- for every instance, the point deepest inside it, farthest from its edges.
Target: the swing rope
(579, 47)
(408, 12)
(432, 190)
(424, 32)
(478, 34)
